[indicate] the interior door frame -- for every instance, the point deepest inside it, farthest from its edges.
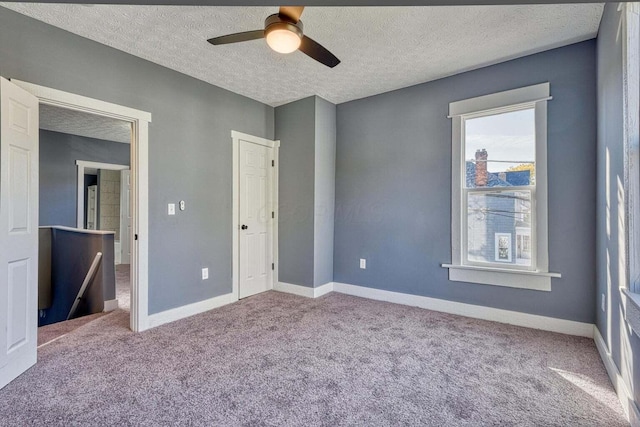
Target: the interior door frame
(139, 319)
(82, 164)
(236, 137)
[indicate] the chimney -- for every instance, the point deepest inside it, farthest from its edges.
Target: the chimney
(481, 168)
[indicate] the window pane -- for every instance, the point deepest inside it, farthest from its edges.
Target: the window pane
(500, 150)
(499, 227)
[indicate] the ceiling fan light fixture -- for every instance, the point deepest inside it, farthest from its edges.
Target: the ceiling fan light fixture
(282, 34)
(283, 40)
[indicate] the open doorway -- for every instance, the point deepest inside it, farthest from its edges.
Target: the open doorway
(19, 189)
(84, 218)
(134, 123)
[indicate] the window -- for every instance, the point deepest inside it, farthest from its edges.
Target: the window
(499, 184)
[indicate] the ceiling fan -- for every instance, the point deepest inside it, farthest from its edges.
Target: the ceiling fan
(283, 33)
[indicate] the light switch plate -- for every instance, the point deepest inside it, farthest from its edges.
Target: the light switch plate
(205, 273)
(172, 209)
(363, 263)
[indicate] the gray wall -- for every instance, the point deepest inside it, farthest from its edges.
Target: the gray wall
(624, 345)
(189, 146)
(325, 173)
(59, 173)
(295, 128)
(307, 133)
(393, 185)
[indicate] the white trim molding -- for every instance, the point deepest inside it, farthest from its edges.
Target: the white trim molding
(496, 101)
(139, 162)
(189, 310)
(461, 269)
(82, 165)
(236, 137)
(526, 320)
(304, 291)
(539, 281)
(619, 385)
(322, 290)
(110, 305)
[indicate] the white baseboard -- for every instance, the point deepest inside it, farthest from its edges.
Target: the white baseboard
(110, 305)
(619, 385)
(190, 310)
(534, 321)
(289, 288)
(323, 290)
(304, 291)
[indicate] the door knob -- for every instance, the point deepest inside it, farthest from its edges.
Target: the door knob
(244, 227)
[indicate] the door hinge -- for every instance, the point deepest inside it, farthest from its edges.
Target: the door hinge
(273, 266)
(135, 237)
(273, 214)
(273, 163)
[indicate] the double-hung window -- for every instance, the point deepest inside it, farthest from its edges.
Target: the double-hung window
(499, 189)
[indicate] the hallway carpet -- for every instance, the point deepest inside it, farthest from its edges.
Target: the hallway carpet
(52, 332)
(279, 359)
(123, 285)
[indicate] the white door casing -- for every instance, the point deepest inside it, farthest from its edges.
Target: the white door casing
(18, 230)
(81, 171)
(125, 216)
(255, 202)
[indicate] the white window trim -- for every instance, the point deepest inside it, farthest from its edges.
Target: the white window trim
(535, 96)
(630, 278)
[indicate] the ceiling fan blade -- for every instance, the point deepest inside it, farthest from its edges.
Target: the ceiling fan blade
(318, 52)
(237, 37)
(291, 12)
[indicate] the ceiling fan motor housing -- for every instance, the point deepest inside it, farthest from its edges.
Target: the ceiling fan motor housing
(280, 22)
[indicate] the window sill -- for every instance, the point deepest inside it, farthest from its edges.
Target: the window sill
(535, 280)
(632, 310)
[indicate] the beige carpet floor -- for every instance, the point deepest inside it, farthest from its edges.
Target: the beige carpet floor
(279, 359)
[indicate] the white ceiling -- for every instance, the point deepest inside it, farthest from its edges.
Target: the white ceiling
(381, 48)
(73, 122)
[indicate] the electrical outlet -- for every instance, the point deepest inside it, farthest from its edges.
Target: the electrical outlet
(182, 205)
(205, 273)
(171, 209)
(603, 302)
(363, 263)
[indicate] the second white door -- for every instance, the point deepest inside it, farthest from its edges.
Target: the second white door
(255, 220)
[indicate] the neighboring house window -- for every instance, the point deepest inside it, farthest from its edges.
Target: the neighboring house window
(499, 184)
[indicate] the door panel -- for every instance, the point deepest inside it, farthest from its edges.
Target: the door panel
(255, 214)
(18, 230)
(18, 295)
(19, 172)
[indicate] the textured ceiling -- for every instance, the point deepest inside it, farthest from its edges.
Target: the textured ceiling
(84, 124)
(381, 48)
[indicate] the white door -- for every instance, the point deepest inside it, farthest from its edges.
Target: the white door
(125, 216)
(92, 206)
(255, 219)
(18, 230)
